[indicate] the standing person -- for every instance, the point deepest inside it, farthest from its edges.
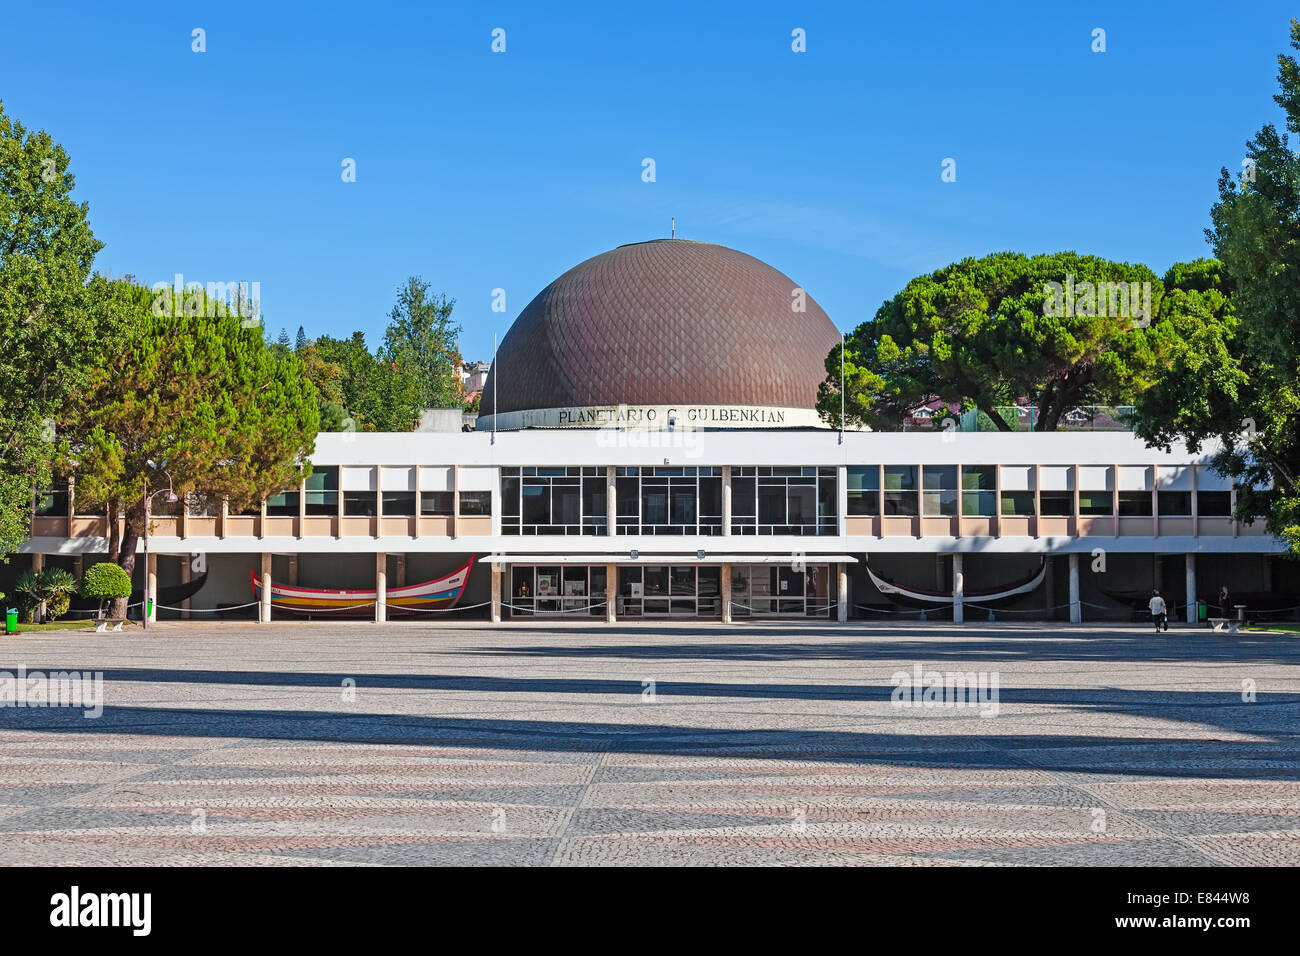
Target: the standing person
(1159, 613)
(1224, 601)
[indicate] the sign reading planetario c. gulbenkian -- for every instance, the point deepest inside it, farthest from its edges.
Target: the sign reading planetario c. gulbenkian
(654, 417)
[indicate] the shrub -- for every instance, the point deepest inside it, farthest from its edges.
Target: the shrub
(58, 587)
(107, 582)
(104, 581)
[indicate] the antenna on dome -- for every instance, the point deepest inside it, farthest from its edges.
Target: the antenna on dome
(673, 220)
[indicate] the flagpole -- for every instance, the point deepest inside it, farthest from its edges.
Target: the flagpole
(841, 388)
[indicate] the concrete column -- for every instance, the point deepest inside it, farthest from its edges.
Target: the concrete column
(151, 586)
(1157, 573)
(381, 587)
(611, 593)
(938, 572)
(38, 561)
(187, 570)
(455, 500)
(726, 579)
(726, 515)
(958, 591)
(401, 570)
(842, 593)
(1076, 609)
(497, 571)
(293, 569)
(1190, 582)
(264, 611)
(611, 500)
(1049, 585)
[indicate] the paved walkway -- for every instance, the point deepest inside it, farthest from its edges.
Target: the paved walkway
(757, 744)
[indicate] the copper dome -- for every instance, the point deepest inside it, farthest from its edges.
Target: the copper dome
(666, 321)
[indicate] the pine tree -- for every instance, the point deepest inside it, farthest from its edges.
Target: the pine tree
(187, 403)
(47, 330)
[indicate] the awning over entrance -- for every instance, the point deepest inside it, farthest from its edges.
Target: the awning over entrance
(679, 557)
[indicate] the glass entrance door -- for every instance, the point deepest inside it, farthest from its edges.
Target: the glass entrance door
(780, 590)
(573, 590)
(669, 591)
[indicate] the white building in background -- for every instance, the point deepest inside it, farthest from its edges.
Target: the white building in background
(648, 447)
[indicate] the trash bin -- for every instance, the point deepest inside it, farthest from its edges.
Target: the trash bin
(1202, 612)
(11, 621)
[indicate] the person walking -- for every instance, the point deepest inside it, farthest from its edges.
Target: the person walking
(1159, 613)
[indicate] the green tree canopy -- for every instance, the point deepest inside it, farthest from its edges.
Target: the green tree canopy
(376, 392)
(1236, 382)
(1063, 330)
(420, 333)
(190, 403)
(46, 253)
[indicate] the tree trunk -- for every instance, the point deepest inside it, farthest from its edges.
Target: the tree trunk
(126, 555)
(114, 537)
(998, 421)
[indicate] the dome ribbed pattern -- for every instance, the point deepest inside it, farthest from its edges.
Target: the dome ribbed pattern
(663, 322)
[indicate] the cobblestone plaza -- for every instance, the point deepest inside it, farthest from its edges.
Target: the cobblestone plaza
(365, 744)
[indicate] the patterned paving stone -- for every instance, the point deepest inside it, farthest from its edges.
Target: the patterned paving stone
(773, 745)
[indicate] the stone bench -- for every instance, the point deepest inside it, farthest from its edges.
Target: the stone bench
(101, 623)
(1229, 624)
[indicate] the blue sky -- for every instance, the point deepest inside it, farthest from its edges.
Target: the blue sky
(480, 171)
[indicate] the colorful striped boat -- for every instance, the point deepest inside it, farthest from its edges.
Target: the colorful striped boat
(440, 594)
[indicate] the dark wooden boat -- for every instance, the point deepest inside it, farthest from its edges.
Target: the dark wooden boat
(169, 596)
(924, 597)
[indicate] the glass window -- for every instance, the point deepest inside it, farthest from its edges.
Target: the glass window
(864, 489)
(1214, 504)
(978, 490)
(901, 490)
(536, 502)
(283, 505)
(360, 504)
(476, 504)
(683, 506)
(771, 504)
(1134, 504)
(801, 505)
(323, 491)
(510, 485)
(1096, 503)
(594, 497)
(437, 504)
(53, 502)
(939, 492)
(397, 504)
(1056, 504)
(743, 496)
(1018, 503)
(1175, 504)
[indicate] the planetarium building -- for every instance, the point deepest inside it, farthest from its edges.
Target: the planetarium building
(648, 447)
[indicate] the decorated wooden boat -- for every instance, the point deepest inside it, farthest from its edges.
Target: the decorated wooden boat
(439, 594)
(921, 597)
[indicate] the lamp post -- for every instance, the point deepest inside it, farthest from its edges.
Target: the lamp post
(148, 498)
